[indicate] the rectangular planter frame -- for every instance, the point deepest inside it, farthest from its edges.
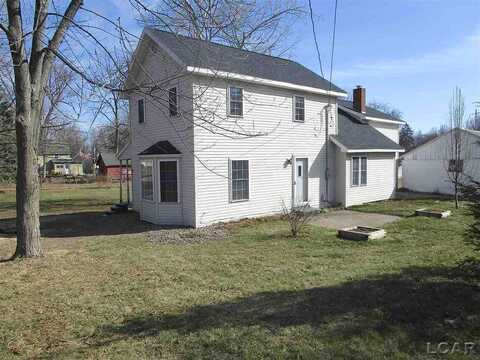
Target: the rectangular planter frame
(361, 233)
(438, 214)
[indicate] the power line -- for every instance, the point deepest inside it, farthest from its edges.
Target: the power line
(315, 37)
(333, 43)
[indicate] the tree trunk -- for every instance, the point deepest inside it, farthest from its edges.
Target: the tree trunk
(28, 191)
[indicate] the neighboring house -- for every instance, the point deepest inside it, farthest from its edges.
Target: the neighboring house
(428, 168)
(64, 167)
(55, 159)
(193, 163)
(109, 165)
(47, 152)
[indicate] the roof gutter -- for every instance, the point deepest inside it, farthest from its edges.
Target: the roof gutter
(261, 81)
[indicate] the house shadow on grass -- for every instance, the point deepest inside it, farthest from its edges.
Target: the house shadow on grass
(92, 223)
(419, 305)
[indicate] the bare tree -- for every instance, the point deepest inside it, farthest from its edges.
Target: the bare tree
(457, 145)
(109, 110)
(32, 53)
(257, 26)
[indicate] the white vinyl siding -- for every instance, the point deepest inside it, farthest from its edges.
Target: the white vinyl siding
(380, 183)
(178, 130)
(391, 131)
(268, 111)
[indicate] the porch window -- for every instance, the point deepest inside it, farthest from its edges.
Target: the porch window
(146, 170)
(141, 110)
(168, 181)
(173, 101)
(239, 180)
(299, 108)
(235, 101)
(359, 170)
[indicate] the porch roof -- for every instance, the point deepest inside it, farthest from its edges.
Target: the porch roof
(354, 136)
(161, 148)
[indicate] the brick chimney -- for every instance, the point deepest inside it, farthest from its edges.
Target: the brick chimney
(359, 100)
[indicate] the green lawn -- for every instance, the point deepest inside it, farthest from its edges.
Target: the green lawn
(256, 294)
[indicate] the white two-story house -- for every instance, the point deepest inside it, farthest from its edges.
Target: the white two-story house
(219, 134)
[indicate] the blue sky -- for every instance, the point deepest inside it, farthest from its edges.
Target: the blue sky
(409, 53)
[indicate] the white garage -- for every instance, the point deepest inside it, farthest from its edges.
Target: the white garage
(429, 167)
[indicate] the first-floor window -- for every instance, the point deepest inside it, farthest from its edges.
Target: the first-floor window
(455, 166)
(146, 171)
(239, 183)
(359, 170)
(168, 181)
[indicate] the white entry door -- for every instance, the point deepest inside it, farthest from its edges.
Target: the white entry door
(301, 181)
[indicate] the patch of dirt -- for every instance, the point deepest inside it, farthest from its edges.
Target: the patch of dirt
(186, 236)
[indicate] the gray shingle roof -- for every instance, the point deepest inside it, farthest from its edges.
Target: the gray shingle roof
(204, 54)
(109, 159)
(161, 148)
(369, 111)
(356, 135)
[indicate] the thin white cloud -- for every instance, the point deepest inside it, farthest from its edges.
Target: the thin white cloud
(464, 54)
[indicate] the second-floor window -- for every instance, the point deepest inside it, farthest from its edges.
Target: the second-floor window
(235, 107)
(141, 110)
(173, 101)
(299, 108)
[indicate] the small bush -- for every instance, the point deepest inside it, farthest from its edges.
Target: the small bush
(297, 217)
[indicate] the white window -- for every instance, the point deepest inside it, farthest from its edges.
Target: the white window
(235, 101)
(168, 181)
(147, 179)
(173, 101)
(359, 170)
(239, 180)
(299, 108)
(141, 110)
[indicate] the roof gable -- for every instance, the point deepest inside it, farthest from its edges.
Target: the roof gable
(109, 159)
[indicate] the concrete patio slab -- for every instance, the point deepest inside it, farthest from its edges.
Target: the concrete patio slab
(346, 218)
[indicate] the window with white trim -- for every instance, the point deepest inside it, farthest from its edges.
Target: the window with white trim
(146, 172)
(299, 108)
(168, 181)
(141, 110)
(359, 170)
(173, 101)
(235, 101)
(239, 180)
